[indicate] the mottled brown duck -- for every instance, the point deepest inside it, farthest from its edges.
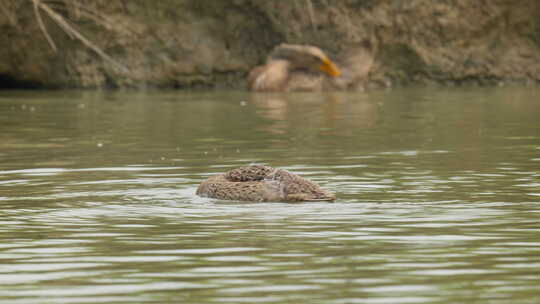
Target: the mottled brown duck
(259, 183)
(292, 67)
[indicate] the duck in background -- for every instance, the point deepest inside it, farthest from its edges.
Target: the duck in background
(291, 67)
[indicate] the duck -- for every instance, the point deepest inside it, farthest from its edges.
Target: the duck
(260, 183)
(292, 67)
(297, 67)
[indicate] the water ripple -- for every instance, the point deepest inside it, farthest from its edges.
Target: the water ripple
(434, 204)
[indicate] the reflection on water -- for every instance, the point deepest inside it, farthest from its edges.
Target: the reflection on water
(438, 197)
(331, 113)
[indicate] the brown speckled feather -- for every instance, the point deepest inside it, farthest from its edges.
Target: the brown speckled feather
(262, 183)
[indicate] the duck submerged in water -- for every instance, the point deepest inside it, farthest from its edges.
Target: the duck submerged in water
(262, 184)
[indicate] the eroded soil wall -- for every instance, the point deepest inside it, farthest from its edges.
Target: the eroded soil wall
(194, 43)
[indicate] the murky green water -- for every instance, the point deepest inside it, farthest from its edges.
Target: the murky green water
(438, 197)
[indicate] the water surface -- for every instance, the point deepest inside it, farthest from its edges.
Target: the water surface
(438, 197)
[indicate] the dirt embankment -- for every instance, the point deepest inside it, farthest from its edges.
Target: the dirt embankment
(193, 43)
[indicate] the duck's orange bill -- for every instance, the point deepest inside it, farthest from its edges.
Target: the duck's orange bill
(329, 68)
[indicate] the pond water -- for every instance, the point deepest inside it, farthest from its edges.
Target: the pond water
(438, 197)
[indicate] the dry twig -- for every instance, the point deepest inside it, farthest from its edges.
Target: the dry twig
(12, 18)
(69, 30)
(42, 25)
(309, 5)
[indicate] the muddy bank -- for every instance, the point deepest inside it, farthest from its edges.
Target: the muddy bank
(193, 43)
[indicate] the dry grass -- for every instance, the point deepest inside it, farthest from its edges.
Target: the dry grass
(309, 6)
(58, 11)
(7, 9)
(37, 13)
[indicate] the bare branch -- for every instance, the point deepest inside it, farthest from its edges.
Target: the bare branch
(309, 5)
(42, 25)
(8, 13)
(62, 23)
(89, 13)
